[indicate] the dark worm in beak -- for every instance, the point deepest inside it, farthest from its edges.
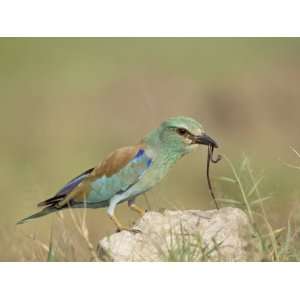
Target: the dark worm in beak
(207, 140)
(210, 159)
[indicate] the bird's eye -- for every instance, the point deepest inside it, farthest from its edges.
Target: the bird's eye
(181, 131)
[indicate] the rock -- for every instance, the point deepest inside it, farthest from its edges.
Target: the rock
(188, 235)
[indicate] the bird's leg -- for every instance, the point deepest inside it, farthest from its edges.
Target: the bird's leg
(136, 208)
(110, 210)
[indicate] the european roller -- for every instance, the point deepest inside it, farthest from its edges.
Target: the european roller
(129, 171)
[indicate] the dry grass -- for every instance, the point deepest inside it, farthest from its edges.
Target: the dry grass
(68, 241)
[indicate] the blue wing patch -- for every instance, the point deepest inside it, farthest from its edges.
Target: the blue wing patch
(139, 154)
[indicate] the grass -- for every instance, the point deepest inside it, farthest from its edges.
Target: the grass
(275, 244)
(185, 247)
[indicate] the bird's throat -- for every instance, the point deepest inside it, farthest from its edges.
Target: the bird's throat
(164, 159)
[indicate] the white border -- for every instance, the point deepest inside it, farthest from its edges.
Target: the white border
(149, 18)
(149, 281)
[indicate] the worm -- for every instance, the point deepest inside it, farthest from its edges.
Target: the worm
(211, 159)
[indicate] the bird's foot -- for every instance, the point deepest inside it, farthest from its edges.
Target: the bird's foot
(121, 227)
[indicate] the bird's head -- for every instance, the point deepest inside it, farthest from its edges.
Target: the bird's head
(182, 134)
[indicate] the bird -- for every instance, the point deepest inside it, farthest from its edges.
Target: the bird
(129, 171)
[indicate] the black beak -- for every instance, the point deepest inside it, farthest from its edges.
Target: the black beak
(205, 140)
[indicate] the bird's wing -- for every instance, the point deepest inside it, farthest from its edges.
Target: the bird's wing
(66, 189)
(120, 170)
(74, 182)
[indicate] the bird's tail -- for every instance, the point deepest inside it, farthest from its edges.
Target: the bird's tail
(43, 212)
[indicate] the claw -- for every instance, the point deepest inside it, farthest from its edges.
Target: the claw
(135, 231)
(132, 230)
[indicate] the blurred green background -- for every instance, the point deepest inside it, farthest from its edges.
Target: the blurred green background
(67, 102)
